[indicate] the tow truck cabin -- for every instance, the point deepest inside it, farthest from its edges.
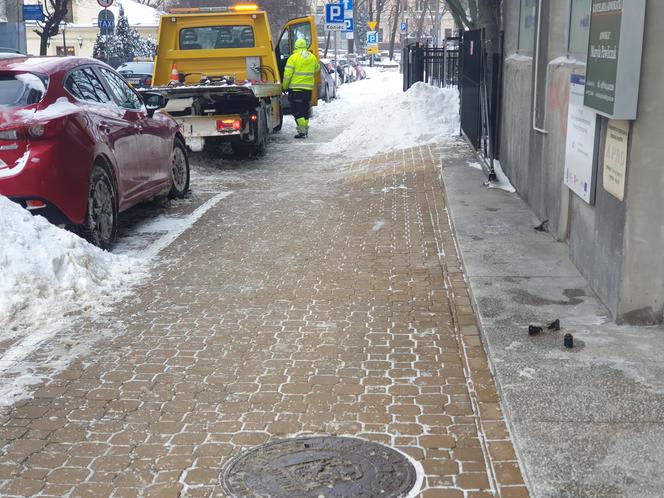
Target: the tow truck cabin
(217, 73)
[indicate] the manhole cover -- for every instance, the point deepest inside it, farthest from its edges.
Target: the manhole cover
(320, 467)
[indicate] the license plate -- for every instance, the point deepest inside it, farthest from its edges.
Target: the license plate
(134, 81)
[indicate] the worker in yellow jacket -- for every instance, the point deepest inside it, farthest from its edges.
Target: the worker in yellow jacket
(299, 81)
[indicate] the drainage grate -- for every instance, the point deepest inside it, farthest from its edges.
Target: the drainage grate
(319, 467)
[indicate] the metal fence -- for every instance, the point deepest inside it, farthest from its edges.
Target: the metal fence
(479, 86)
(437, 66)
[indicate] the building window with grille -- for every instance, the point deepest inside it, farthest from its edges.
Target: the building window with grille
(579, 29)
(527, 24)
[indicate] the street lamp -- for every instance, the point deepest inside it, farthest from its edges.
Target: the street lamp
(79, 39)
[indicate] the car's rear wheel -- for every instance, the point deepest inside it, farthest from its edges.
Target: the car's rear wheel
(101, 220)
(180, 174)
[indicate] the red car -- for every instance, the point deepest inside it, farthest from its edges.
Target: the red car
(78, 145)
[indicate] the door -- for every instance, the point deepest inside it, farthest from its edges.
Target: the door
(148, 150)
(107, 121)
(302, 27)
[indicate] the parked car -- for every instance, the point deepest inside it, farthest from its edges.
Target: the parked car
(9, 53)
(78, 145)
(139, 74)
(327, 89)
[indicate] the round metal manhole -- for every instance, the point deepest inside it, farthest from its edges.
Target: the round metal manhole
(320, 467)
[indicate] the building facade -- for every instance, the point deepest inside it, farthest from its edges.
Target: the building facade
(78, 37)
(615, 233)
(12, 29)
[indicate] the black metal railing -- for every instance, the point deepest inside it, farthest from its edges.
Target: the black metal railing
(437, 66)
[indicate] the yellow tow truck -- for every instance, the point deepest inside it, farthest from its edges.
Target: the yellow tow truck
(218, 74)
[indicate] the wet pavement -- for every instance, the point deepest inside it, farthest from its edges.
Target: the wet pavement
(318, 296)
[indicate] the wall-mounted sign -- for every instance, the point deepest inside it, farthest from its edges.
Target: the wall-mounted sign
(615, 158)
(33, 12)
(580, 156)
(614, 57)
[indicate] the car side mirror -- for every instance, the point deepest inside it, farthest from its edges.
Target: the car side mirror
(153, 101)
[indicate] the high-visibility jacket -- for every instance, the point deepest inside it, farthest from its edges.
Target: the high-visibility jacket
(300, 72)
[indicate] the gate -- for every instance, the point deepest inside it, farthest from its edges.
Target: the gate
(479, 88)
(437, 66)
(471, 76)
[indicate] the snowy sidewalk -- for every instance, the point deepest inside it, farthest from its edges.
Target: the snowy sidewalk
(316, 299)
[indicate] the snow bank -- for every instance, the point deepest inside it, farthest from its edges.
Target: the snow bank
(380, 117)
(47, 273)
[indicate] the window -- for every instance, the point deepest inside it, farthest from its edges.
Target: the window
(579, 28)
(527, 22)
(217, 37)
(84, 84)
(61, 51)
(18, 90)
(124, 96)
(302, 30)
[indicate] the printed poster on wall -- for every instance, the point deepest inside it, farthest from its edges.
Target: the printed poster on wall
(615, 158)
(581, 144)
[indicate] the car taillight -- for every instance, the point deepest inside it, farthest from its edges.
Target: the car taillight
(229, 124)
(9, 134)
(45, 129)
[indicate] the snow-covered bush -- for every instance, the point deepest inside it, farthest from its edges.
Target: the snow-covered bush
(124, 44)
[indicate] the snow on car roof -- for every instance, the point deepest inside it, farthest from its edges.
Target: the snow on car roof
(47, 65)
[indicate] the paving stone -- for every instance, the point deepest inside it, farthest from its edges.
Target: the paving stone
(317, 298)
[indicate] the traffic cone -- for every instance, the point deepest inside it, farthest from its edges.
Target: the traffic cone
(175, 76)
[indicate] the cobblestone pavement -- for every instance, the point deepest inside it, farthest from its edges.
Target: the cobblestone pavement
(316, 299)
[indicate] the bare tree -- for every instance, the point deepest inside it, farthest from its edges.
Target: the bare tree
(157, 4)
(394, 21)
(55, 11)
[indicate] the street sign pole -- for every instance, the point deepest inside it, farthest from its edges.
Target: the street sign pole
(336, 57)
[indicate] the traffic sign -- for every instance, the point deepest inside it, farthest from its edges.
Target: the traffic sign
(334, 17)
(372, 38)
(105, 3)
(348, 5)
(349, 25)
(403, 28)
(372, 50)
(106, 22)
(33, 12)
(372, 25)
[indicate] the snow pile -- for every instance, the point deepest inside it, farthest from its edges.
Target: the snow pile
(47, 273)
(381, 117)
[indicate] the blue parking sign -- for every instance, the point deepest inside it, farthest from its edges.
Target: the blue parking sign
(334, 13)
(349, 25)
(348, 4)
(372, 38)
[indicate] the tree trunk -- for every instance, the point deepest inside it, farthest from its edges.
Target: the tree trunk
(43, 44)
(489, 19)
(393, 34)
(327, 44)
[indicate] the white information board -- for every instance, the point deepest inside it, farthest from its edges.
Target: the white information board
(581, 148)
